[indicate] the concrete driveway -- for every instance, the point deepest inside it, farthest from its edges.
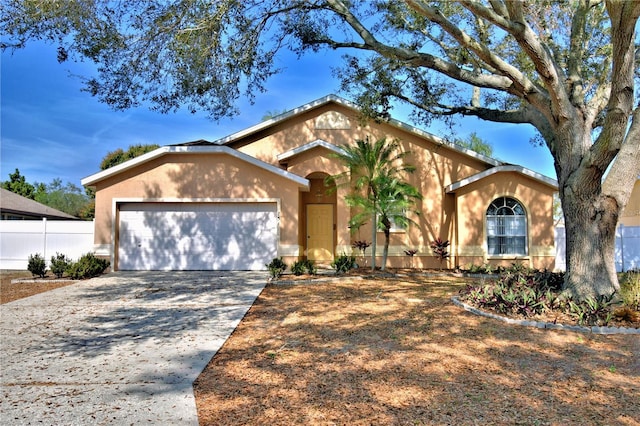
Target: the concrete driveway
(124, 348)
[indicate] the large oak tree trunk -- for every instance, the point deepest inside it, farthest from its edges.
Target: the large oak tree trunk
(591, 214)
(590, 224)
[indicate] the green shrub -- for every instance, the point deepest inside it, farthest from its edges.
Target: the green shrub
(276, 267)
(36, 265)
(88, 266)
(630, 289)
(59, 264)
(485, 268)
(343, 263)
(298, 267)
(310, 266)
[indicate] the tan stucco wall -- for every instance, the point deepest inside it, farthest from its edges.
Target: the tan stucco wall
(436, 167)
(223, 176)
(473, 201)
(631, 214)
(197, 177)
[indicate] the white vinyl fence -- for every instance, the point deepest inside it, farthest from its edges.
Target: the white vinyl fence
(21, 238)
(627, 248)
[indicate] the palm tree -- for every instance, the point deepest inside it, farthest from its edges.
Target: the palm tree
(372, 167)
(396, 200)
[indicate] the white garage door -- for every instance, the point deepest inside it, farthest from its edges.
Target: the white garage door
(197, 236)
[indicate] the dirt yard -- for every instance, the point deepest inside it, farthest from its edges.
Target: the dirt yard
(14, 291)
(396, 351)
(389, 351)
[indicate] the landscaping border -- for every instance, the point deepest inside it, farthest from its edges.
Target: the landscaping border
(546, 325)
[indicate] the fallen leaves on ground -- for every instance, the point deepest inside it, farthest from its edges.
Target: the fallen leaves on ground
(13, 291)
(396, 351)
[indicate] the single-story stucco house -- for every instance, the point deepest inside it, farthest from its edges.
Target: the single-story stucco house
(236, 203)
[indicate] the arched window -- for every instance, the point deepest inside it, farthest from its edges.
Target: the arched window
(506, 227)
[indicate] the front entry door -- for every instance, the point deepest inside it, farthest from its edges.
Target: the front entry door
(320, 232)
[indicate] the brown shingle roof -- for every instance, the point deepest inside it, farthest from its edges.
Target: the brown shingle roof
(13, 203)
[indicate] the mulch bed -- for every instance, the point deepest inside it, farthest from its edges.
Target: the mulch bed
(389, 350)
(13, 291)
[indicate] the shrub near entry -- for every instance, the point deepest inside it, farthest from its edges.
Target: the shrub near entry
(343, 263)
(276, 267)
(300, 266)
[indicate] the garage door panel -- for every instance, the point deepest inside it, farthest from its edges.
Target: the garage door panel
(213, 236)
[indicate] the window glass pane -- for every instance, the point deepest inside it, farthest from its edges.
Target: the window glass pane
(506, 227)
(518, 209)
(492, 226)
(510, 202)
(505, 211)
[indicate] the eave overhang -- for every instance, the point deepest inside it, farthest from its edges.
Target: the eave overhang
(452, 188)
(194, 149)
(319, 143)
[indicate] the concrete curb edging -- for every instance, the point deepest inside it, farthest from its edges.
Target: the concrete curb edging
(546, 325)
(36, 280)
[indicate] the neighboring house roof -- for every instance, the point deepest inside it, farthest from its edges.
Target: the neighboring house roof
(197, 147)
(12, 203)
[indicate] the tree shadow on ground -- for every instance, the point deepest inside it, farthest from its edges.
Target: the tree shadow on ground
(388, 352)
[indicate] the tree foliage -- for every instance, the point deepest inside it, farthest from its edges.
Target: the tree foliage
(18, 184)
(67, 198)
(475, 143)
(567, 68)
(119, 156)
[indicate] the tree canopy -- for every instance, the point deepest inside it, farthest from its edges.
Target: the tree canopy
(118, 156)
(18, 184)
(475, 143)
(567, 68)
(67, 198)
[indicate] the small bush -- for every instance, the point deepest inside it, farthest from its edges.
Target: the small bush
(276, 267)
(59, 264)
(439, 248)
(343, 263)
(299, 267)
(630, 289)
(310, 266)
(88, 266)
(361, 245)
(485, 268)
(36, 265)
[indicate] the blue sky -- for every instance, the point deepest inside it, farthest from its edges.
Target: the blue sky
(50, 129)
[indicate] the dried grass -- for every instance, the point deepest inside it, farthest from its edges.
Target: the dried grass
(396, 351)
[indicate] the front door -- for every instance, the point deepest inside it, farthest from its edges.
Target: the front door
(320, 232)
